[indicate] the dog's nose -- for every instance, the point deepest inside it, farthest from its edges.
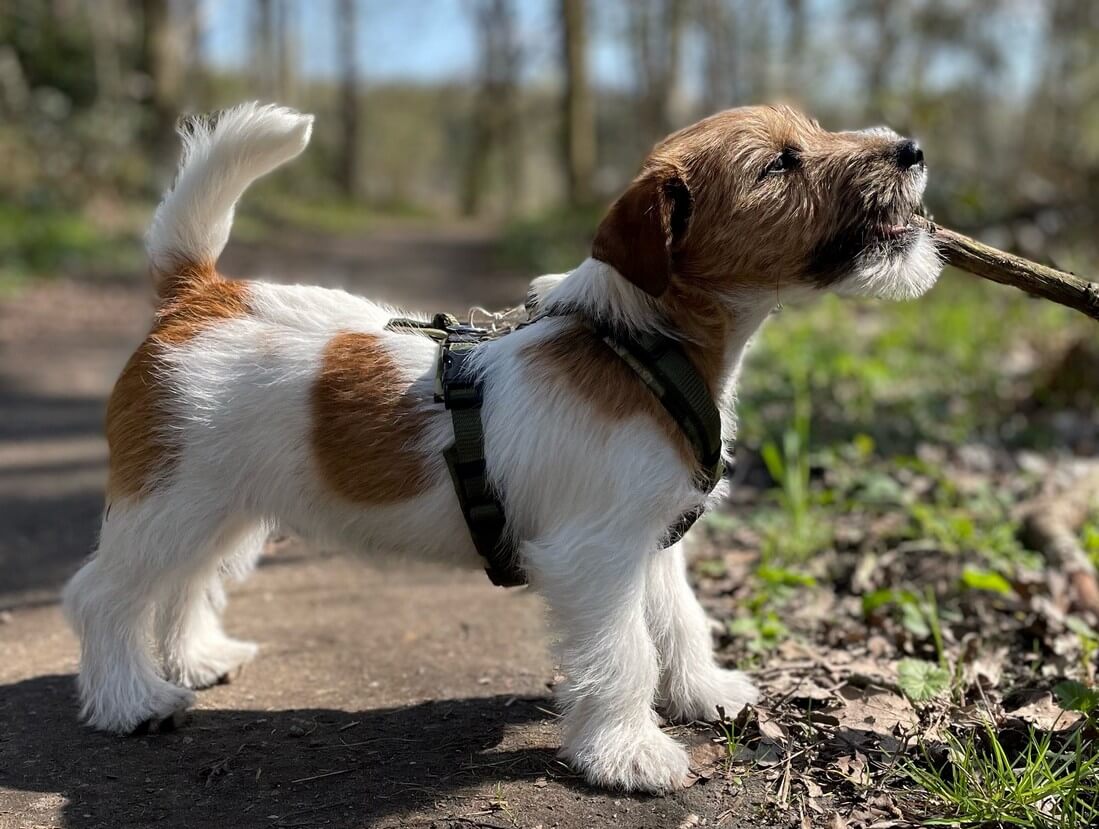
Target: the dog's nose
(908, 154)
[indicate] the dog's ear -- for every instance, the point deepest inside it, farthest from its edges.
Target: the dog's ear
(641, 230)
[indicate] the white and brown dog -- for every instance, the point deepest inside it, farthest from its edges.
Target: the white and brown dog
(252, 405)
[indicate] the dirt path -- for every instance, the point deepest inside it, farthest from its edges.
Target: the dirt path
(407, 696)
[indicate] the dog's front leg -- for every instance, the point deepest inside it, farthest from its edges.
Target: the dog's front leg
(596, 594)
(691, 683)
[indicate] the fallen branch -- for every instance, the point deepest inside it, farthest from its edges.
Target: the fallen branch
(1051, 524)
(989, 263)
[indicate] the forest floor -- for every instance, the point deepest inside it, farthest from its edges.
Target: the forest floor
(916, 659)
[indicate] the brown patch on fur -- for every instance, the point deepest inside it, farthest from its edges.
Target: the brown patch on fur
(579, 362)
(365, 428)
(141, 449)
(637, 235)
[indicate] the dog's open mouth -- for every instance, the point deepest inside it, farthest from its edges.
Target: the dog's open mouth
(893, 230)
(884, 234)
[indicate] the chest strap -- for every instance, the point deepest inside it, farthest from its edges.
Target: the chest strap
(658, 361)
(465, 460)
(661, 364)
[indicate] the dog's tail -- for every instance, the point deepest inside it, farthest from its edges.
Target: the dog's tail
(220, 159)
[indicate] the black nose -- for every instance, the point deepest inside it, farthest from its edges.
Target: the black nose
(909, 154)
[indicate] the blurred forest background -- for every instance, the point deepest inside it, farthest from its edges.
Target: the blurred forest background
(524, 117)
(514, 109)
(917, 487)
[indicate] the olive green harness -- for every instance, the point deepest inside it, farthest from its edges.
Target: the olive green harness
(657, 360)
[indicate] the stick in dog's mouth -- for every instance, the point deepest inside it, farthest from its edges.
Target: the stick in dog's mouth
(995, 265)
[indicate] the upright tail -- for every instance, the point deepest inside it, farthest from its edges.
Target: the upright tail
(219, 161)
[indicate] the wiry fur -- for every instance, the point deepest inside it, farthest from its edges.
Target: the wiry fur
(246, 389)
(219, 161)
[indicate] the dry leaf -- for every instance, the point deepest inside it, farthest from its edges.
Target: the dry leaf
(873, 717)
(854, 769)
(769, 728)
(1044, 713)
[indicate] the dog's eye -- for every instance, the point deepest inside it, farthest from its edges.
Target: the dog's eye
(788, 159)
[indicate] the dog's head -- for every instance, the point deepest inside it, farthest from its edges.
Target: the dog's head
(763, 197)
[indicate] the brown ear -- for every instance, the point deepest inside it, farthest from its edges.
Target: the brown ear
(638, 233)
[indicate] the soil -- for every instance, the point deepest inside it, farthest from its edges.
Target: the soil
(384, 695)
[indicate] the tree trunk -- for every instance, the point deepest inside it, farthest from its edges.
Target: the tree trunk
(657, 33)
(286, 53)
(347, 26)
(796, 57)
(578, 115)
(263, 47)
(495, 121)
(161, 61)
(105, 53)
(719, 88)
(880, 60)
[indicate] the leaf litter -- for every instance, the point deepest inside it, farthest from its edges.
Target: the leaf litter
(889, 651)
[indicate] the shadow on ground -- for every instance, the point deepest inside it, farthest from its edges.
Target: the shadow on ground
(262, 768)
(50, 502)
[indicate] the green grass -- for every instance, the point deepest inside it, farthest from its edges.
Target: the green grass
(803, 529)
(904, 373)
(983, 784)
(273, 210)
(38, 242)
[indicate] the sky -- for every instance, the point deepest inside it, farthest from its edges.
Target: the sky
(427, 40)
(433, 40)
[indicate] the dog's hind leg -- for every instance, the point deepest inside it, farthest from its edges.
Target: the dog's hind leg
(110, 604)
(692, 685)
(195, 651)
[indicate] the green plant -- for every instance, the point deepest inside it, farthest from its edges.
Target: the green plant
(1043, 786)
(986, 580)
(802, 531)
(41, 241)
(912, 611)
(1089, 538)
(1089, 644)
(1075, 696)
(713, 568)
(921, 680)
(761, 631)
(726, 729)
(500, 803)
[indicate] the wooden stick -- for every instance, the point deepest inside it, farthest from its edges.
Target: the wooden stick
(987, 262)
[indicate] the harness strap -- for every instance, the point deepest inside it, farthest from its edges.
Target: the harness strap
(657, 360)
(465, 460)
(483, 511)
(662, 365)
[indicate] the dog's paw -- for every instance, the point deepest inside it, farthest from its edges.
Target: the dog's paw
(698, 697)
(158, 708)
(642, 760)
(160, 725)
(213, 664)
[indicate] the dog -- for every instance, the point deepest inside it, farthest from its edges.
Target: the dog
(251, 405)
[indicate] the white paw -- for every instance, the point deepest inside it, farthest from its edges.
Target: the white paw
(151, 707)
(210, 664)
(697, 697)
(638, 759)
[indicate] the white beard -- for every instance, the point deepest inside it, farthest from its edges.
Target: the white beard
(904, 275)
